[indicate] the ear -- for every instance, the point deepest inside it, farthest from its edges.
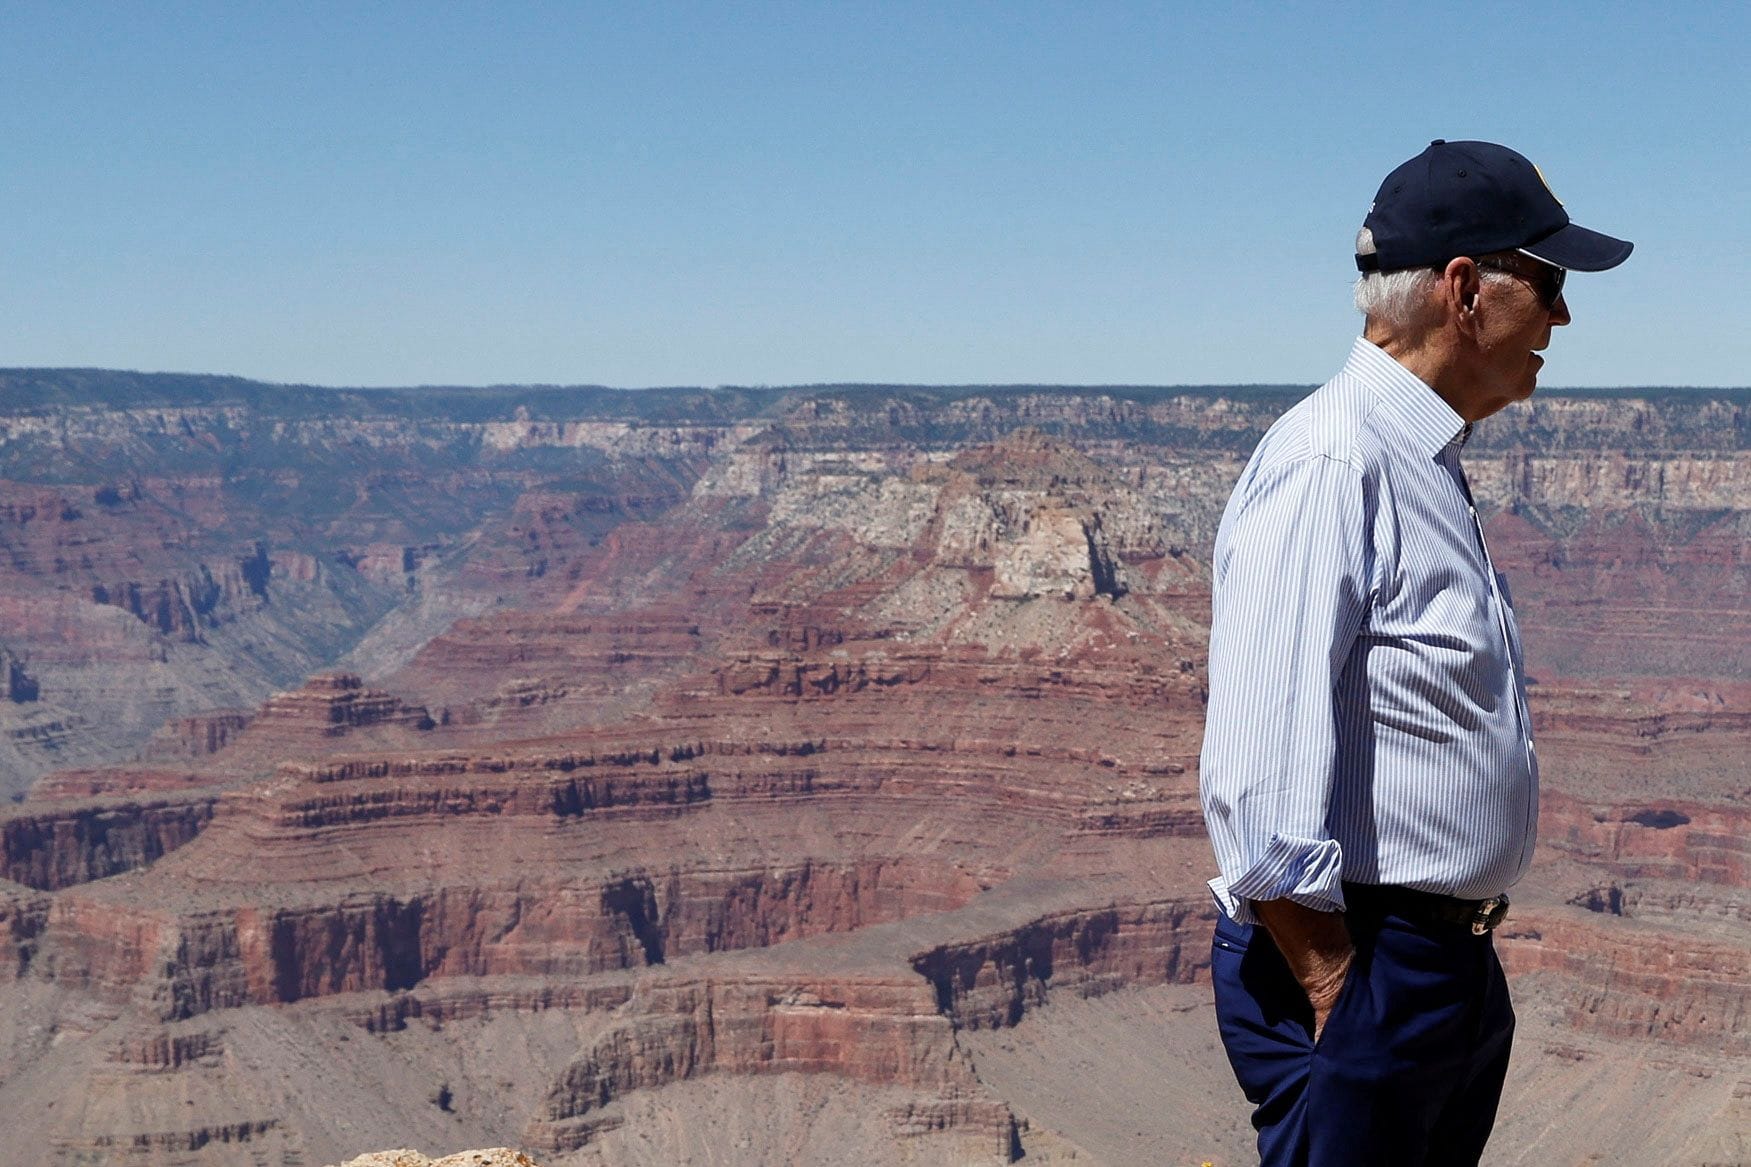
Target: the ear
(1461, 284)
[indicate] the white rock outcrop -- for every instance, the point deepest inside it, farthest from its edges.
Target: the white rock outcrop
(494, 1157)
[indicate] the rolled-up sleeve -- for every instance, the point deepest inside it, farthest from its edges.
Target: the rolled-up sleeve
(1290, 592)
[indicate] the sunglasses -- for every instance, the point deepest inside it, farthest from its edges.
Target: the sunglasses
(1545, 279)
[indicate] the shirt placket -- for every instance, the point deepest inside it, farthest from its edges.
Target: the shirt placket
(1522, 715)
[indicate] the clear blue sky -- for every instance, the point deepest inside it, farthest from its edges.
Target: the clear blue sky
(359, 193)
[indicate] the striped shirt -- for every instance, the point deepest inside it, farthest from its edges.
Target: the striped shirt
(1367, 718)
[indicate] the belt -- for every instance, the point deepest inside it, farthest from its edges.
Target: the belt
(1481, 916)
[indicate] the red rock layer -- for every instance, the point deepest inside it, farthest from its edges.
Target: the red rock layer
(1652, 838)
(23, 915)
(61, 846)
(517, 674)
(991, 982)
(1645, 983)
(333, 704)
(873, 1030)
(192, 737)
(196, 961)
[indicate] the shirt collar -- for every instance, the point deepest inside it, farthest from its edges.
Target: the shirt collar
(1420, 410)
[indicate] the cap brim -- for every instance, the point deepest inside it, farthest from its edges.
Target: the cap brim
(1578, 249)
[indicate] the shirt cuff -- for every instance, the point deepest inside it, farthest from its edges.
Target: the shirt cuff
(1308, 871)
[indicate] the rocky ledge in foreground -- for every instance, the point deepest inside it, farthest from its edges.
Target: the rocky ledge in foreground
(495, 1157)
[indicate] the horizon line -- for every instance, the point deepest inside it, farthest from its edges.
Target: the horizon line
(793, 387)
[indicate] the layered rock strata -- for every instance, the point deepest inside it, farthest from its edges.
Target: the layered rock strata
(788, 737)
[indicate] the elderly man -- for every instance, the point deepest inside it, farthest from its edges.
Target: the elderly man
(1368, 774)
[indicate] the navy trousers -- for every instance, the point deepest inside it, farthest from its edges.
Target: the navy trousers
(1409, 1066)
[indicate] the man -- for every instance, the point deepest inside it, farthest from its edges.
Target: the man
(1368, 775)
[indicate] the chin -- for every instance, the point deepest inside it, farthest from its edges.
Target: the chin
(1527, 387)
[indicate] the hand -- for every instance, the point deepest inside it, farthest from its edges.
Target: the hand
(1316, 946)
(1323, 993)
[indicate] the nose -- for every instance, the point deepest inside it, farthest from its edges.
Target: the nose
(1559, 311)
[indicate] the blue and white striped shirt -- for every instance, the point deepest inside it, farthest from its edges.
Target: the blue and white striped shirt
(1367, 718)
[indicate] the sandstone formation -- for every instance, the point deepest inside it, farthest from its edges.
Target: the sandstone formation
(759, 774)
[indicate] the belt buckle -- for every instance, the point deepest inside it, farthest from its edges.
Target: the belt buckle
(1489, 913)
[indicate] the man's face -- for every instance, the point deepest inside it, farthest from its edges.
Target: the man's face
(1515, 325)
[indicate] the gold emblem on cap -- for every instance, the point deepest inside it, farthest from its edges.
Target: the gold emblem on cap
(1546, 182)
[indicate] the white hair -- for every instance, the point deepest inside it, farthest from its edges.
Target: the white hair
(1397, 298)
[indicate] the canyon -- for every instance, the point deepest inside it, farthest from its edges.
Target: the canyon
(778, 775)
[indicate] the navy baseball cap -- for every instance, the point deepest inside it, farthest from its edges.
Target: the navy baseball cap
(1474, 198)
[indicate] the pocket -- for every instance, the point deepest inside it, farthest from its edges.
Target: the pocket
(1230, 936)
(1232, 966)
